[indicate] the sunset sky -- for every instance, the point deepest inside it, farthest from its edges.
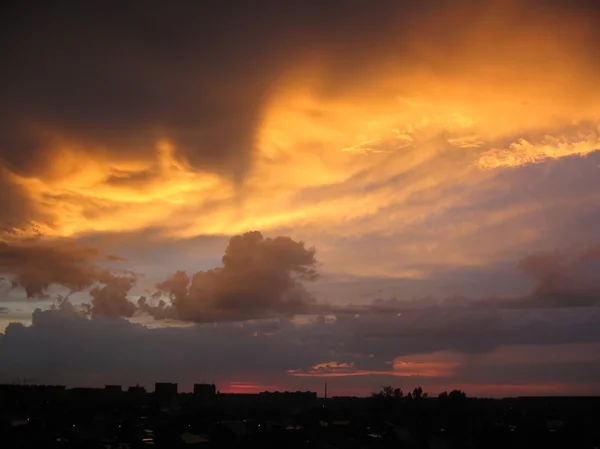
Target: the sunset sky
(278, 194)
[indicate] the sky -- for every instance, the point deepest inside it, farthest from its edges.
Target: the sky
(274, 195)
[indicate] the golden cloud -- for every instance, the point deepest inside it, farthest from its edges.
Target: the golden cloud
(334, 153)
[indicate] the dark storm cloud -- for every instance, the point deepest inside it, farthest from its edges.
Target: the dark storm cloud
(115, 74)
(113, 78)
(122, 75)
(468, 330)
(259, 277)
(14, 208)
(98, 351)
(132, 353)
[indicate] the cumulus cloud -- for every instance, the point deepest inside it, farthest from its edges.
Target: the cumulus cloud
(260, 277)
(36, 265)
(110, 300)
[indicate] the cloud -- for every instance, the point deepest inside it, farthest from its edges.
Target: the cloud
(37, 265)
(57, 352)
(422, 156)
(563, 281)
(581, 143)
(64, 347)
(260, 277)
(556, 279)
(196, 130)
(421, 366)
(110, 300)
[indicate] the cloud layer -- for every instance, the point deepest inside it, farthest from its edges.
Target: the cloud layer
(425, 148)
(323, 126)
(436, 348)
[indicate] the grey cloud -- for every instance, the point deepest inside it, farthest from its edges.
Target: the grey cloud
(469, 330)
(64, 347)
(534, 373)
(560, 279)
(563, 280)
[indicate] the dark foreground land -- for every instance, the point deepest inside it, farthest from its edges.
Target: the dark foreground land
(54, 417)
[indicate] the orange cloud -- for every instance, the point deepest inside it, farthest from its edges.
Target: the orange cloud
(424, 369)
(333, 365)
(524, 152)
(248, 387)
(428, 365)
(341, 147)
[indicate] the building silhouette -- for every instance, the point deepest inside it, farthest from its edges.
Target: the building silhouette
(114, 389)
(205, 391)
(137, 389)
(165, 389)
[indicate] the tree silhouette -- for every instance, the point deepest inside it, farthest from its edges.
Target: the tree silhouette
(454, 395)
(454, 408)
(389, 392)
(457, 395)
(418, 394)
